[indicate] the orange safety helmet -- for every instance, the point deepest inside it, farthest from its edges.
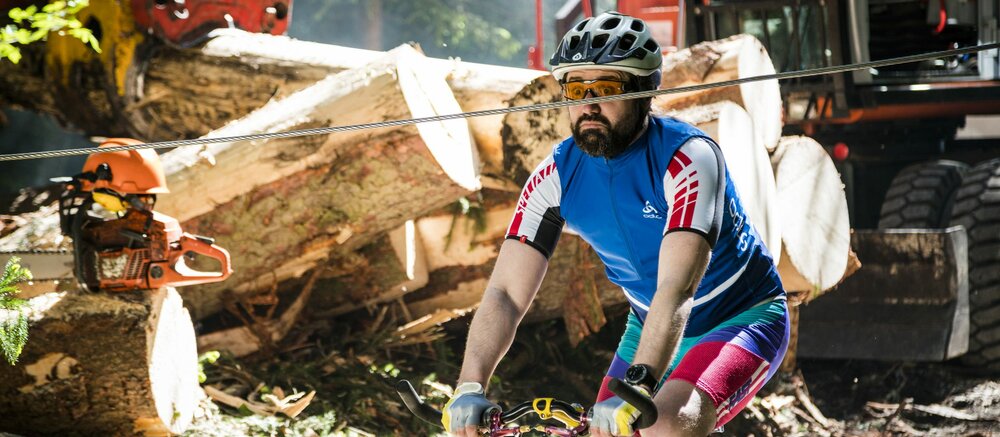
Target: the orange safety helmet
(125, 172)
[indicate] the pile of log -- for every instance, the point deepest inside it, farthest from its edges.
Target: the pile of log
(330, 203)
(412, 216)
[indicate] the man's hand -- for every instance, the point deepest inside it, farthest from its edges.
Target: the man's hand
(463, 414)
(614, 417)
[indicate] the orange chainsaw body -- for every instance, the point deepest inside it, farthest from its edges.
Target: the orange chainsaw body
(144, 250)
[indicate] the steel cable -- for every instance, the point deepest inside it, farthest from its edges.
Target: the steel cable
(534, 107)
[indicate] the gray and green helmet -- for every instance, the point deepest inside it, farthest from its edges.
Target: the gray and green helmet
(609, 41)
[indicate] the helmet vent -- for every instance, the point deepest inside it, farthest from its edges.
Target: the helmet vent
(599, 41)
(611, 23)
(574, 42)
(626, 42)
(652, 46)
(582, 24)
(637, 26)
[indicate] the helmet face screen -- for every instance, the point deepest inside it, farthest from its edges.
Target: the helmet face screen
(577, 89)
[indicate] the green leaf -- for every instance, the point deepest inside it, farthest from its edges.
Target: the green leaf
(13, 337)
(14, 55)
(54, 7)
(25, 36)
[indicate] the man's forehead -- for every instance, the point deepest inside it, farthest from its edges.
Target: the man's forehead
(596, 74)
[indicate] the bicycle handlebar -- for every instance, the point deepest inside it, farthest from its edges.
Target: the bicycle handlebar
(645, 405)
(416, 405)
(429, 414)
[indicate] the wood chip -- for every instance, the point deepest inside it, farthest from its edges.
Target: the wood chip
(934, 409)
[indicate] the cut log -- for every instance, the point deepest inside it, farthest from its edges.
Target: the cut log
(240, 72)
(383, 271)
(447, 240)
(283, 206)
(454, 291)
(736, 57)
(815, 229)
(528, 137)
(747, 162)
(460, 240)
(394, 86)
(480, 87)
(100, 364)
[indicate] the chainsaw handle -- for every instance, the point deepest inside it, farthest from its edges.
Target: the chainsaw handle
(179, 274)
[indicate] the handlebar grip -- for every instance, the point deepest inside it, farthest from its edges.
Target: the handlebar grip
(645, 405)
(416, 405)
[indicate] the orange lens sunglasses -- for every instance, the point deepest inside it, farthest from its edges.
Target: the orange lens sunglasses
(577, 89)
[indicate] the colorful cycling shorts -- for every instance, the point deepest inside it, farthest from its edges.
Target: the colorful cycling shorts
(730, 363)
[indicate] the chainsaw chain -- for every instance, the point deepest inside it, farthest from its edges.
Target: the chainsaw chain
(40, 252)
(37, 252)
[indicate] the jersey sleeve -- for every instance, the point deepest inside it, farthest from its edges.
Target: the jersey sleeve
(537, 221)
(695, 189)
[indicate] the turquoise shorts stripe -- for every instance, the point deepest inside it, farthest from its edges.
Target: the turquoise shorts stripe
(765, 313)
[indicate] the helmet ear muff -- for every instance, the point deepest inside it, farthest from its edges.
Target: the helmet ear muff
(103, 172)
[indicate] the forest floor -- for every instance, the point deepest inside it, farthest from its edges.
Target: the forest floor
(353, 367)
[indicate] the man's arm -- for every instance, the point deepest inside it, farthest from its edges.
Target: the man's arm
(518, 273)
(694, 187)
(531, 238)
(516, 277)
(683, 259)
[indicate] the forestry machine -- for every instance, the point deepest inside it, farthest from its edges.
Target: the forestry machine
(182, 23)
(119, 242)
(917, 147)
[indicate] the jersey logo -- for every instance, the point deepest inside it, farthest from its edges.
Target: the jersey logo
(650, 212)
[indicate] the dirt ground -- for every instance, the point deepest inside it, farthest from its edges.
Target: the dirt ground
(354, 376)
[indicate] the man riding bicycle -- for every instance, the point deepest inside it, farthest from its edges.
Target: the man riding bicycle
(708, 324)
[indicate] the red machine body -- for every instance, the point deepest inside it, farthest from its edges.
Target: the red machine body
(188, 22)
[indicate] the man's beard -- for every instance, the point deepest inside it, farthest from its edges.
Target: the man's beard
(616, 138)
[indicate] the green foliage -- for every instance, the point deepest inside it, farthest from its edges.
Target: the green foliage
(32, 25)
(14, 327)
(209, 357)
(475, 31)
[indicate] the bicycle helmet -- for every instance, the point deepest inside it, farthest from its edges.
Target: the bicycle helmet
(124, 172)
(610, 41)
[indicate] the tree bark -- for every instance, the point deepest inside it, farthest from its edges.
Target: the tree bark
(736, 57)
(747, 162)
(102, 364)
(287, 227)
(528, 137)
(815, 229)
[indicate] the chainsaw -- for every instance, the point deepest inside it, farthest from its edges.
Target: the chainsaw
(119, 242)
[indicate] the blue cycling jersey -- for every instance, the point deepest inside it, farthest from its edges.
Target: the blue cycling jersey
(623, 206)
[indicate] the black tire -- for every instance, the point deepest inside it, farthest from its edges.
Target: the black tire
(977, 207)
(921, 195)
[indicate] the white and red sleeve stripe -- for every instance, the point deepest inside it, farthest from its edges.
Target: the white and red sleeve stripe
(694, 187)
(536, 220)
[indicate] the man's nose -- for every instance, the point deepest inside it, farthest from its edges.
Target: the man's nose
(591, 108)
